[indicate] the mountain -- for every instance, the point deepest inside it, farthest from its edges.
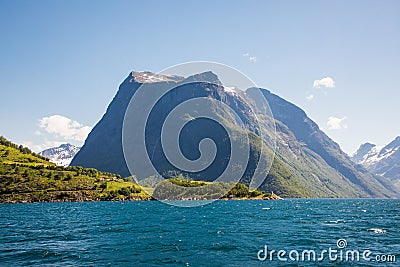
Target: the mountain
(308, 133)
(62, 155)
(381, 160)
(307, 163)
(365, 152)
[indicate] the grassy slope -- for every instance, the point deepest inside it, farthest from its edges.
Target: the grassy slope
(181, 188)
(27, 177)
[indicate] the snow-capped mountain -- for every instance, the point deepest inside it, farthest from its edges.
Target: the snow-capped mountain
(381, 160)
(61, 155)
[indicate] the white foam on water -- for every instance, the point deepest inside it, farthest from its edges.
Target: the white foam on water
(377, 230)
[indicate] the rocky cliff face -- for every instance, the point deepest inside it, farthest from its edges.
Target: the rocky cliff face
(307, 162)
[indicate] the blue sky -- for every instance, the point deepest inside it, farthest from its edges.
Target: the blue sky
(67, 58)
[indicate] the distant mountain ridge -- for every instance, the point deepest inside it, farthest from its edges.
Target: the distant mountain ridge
(61, 155)
(381, 160)
(307, 162)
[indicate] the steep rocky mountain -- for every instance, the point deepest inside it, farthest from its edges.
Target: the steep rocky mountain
(381, 160)
(310, 136)
(61, 155)
(307, 162)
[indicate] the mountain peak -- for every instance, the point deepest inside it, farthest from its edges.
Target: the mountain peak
(150, 77)
(381, 160)
(67, 145)
(394, 145)
(207, 76)
(61, 155)
(365, 149)
(252, 89)
(366, 146)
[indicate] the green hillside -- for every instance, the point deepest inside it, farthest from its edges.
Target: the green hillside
(28, 177)
(181, 188)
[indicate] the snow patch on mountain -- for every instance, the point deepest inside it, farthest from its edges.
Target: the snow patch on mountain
(370, 157)
(149, 77)
(230, 89)
(381, 160)
(61, 155)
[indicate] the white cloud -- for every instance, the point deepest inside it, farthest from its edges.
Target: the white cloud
(251, 58)
(310, 97)
(64, 127)
(336, 123)
(327, 82)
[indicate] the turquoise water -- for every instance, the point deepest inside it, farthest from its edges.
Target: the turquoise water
(224, 233)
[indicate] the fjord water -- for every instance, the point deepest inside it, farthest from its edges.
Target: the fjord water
(224, 233)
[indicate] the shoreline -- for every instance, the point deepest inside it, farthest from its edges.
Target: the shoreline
(220, 199)
(134, 200)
